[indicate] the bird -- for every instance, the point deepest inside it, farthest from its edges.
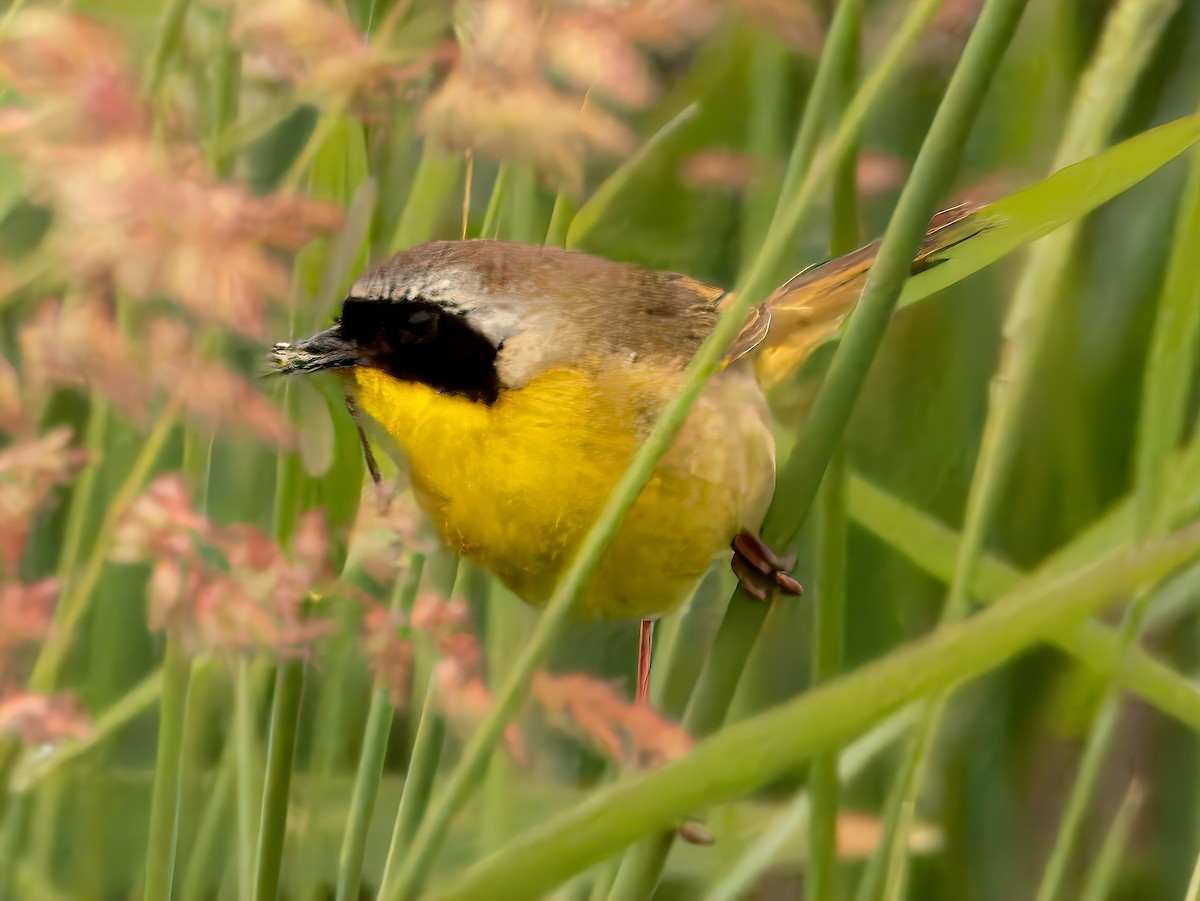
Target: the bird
(520, 379)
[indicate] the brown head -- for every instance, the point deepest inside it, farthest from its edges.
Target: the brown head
(475, 317)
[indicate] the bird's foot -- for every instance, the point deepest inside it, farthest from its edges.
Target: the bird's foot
(761, 571)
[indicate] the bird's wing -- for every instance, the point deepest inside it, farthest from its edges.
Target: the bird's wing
(808, 309)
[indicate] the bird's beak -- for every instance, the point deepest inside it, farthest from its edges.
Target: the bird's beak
(329, 349)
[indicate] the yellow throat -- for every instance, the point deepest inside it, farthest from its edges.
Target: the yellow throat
(517, 484)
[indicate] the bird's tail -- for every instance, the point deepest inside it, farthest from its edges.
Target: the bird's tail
(809, 308)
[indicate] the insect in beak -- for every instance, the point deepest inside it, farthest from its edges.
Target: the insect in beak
(329, 349)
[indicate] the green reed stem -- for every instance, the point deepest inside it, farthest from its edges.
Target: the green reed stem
(472, 765)
(248, 767)
(226, 100)
(560, 221)
(166, 44)
(432, 184)
(807, 176)
(809, 173)
(281, 749)
(503, 644)
(1100, 98)
(197, 728)
(932, 547)
(78, 593)
(593, 209)
(800, 478)
(797, 483)
(792, 826)
(213, 841)
(1103, 875)
(1193, 887)
(33, 768)
(418, 786)
(829, 634)
(376, 733)
(1169, 370)
(491, 216)
(828, 639)
(683, 657)
(751, 753)
(164, 800)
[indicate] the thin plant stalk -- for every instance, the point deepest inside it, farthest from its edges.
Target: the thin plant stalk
(792, 825)
(491, 216)
(376, 733)
(418, 786)
(1193, 887)
(1103, 873)
(164, 799)
(830, 412)
(828, 638)
(592, 211)
(1124, 49)
(744, 618)
(78, 591)
(931, 546)
(167, 39)
(281, 747)
(247, 766)
(472, 764)
(560, 221)
(747, 755)
(212, 835)
(504, 627)
(196, 729)
(33, 768)
(1169, 369)
(829, 634)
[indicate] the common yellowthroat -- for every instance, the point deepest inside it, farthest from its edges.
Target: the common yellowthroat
(519, 380)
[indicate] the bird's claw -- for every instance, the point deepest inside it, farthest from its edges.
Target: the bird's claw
(761, 571)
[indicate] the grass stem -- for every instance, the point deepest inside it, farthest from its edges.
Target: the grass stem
(164, 803)
(376, 733)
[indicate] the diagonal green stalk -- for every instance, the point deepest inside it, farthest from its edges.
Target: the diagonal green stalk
(1099, 100)
(33, 768)
(932, 547)
(281, 747)
(594, 208)
(798, 483)
(1193, 887)
(473, 762)
(164, 799)
(1169, 371)
(376, 733)
(751, 753)
(808, 172)
(705, 362)
(797, 820)
(78, 592)
(744, 619)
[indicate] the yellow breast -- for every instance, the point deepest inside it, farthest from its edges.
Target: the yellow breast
(516, 485)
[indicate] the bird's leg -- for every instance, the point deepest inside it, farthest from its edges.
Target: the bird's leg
(645, 643)
(760, 570)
